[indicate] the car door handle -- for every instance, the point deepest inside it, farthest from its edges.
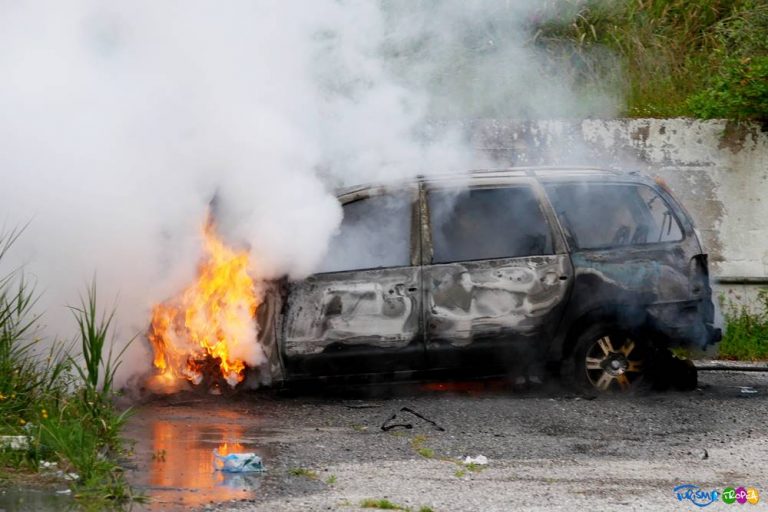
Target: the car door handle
(401, 289)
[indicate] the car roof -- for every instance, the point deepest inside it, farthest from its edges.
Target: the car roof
(487, 176)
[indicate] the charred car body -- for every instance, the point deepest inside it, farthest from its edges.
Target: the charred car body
(593, 271)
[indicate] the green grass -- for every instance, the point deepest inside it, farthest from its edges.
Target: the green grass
(474, 468)
(303, 472)
(381, 504)
(60, 399)
(746, 329)
(384, 504)
(417, 443)
(427, 453)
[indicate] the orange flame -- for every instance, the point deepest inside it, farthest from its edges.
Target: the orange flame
(211, 322)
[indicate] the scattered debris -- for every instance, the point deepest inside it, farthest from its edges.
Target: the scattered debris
(238, 462)
(14, 442)
(701, 453)
(389, 425)
(480, 460)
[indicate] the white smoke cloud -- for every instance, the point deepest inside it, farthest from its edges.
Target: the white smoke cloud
(120, 121)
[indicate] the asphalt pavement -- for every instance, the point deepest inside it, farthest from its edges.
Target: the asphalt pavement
(546, 448)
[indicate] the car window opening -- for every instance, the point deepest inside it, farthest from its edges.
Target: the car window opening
(487, 223)
(374, 233)
(598, 216)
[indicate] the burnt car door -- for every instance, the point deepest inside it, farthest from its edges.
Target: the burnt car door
(496, 275)
(361, 312)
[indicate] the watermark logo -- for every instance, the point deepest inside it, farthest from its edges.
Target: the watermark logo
(696, 495)
(703, 498)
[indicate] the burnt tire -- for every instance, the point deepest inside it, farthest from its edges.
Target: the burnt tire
(608, 359)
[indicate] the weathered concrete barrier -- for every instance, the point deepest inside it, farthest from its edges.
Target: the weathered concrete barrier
(718, 169)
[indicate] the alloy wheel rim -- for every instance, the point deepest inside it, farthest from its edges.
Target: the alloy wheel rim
(613, 363)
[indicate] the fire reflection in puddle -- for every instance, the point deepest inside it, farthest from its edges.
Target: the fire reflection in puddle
(174, 455)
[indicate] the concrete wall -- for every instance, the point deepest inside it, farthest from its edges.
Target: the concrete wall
(718, 169)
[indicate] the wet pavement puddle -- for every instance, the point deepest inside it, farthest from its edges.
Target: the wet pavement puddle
(173, 461)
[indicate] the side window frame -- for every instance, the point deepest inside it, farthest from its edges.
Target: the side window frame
(669, 201)
(414, 250)
(559, 245)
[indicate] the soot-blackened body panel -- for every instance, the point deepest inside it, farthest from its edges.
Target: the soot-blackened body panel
(644, 286)
(488, 313)
(354, 322)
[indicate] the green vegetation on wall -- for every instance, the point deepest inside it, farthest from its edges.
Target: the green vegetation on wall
(702, 58)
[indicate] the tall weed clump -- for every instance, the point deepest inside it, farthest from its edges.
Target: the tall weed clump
(746, 329)
(58, 399)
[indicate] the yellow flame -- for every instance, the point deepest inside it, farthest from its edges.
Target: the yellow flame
(208, 319)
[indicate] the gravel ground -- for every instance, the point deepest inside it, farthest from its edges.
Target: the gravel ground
(546, 450)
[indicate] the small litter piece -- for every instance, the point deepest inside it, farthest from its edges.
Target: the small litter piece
(14, 442)
(748, 390)
(238, 463)
(389, 425)
(480, 460)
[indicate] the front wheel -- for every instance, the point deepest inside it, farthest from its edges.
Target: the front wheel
(607, 359)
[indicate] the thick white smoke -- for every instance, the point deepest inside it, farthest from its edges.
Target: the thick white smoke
(120, 121)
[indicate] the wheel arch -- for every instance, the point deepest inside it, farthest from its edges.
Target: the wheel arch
(627, 317)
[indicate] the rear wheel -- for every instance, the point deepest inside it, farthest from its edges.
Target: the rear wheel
(607, 359)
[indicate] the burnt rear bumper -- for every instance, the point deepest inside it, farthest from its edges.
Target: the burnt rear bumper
(714, 334)
(686, 323)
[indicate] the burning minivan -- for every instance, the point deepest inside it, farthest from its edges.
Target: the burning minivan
(596, 273)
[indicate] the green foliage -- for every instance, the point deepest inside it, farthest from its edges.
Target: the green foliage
(304, 472)
(679, 57)
(62, 406)
(93, 335)
(380, 504)
(738, 91)
(417, 443)
(388, 505)
(746, 330)
(474, 468)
